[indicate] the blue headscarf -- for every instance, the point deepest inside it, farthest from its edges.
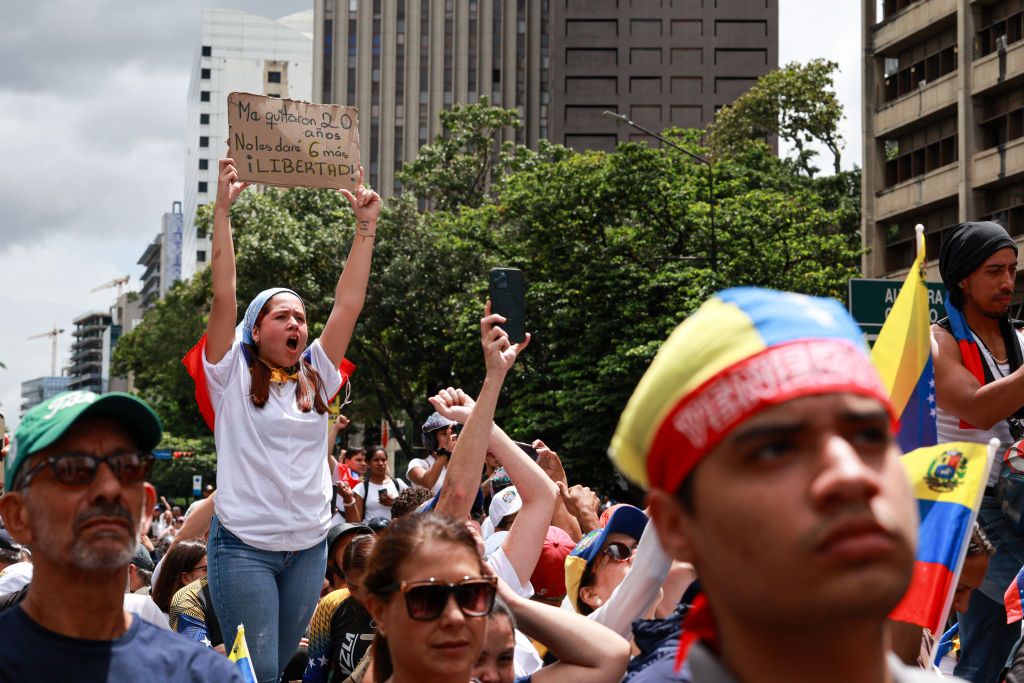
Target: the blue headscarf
(244, 328)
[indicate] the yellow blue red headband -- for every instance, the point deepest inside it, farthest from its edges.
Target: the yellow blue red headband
(743, 350)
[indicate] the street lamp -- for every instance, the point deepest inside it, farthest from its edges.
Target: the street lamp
(622, 118)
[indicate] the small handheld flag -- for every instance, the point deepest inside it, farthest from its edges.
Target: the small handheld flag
(240, 655)
(948, 481)
(903, 356)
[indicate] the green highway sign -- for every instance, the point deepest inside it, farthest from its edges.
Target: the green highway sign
(871, 301)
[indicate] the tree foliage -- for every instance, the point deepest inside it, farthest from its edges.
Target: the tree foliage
(616, 249)
(796, 102)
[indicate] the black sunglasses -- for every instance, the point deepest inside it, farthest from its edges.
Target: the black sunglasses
(78, 469)
(425, 600)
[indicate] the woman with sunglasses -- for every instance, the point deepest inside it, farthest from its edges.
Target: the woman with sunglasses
(614, 574)
(266, 396)
(430, 595)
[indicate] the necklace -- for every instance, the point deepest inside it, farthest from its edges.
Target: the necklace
(995, 361)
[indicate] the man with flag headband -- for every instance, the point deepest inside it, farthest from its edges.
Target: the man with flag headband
(979, 390)
(766, 440)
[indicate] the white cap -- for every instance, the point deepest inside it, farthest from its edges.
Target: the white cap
(504, 503)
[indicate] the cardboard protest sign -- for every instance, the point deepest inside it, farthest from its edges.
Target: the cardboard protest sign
(290, 143)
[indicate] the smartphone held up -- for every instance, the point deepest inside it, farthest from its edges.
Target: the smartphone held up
(507, 294)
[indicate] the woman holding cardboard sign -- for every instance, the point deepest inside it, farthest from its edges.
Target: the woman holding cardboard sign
(269, 394)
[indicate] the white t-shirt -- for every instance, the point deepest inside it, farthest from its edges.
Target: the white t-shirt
(273, 480)
(425, 464)
(371, 503)
(144, 606)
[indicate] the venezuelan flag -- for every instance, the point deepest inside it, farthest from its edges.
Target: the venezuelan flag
(903, 356)
(193, 361)
(240, 655)
(948, 482)
(1013, 598)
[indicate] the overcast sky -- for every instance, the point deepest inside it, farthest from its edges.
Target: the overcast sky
(92, 126)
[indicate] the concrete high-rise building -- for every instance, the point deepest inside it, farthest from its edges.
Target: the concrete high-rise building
(560, 63)
(90, 352)
(162, 258)
(244, 52)
(96, 334)
(943, 123)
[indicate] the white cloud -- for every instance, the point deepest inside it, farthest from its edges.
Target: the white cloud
(43, 285)
(812, 28)
(92, 127)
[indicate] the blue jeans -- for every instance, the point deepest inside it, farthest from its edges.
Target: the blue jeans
(985, 637)
(272, 593)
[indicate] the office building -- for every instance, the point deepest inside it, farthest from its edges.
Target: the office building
(244, 52)
(660, 62)
(162, 258)
(35, 391)
(96, 334)
(560, 63)
(95, 337)
(943, 120)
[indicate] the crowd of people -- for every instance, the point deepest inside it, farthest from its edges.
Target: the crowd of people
(778, 533)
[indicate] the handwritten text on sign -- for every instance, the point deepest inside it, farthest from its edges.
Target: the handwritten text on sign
(289, 143)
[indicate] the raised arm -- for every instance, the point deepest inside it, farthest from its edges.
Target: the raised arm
(587, 652)
(351, 290)
(959, 393)
(525, 539)
(427, 476)
(220, 328)
(462, 481)
(548, 461)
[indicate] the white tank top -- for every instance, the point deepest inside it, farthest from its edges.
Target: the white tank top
(948, 426)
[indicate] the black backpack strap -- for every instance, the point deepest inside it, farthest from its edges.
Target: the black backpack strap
(213, 631)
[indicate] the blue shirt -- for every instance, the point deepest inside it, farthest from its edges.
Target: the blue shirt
(144, 653)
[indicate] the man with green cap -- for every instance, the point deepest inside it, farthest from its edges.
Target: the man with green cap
(76, 493)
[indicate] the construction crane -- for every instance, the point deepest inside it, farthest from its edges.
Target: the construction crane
(53, 360)
(118, 282)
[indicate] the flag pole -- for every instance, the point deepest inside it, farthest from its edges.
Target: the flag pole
(919, 242)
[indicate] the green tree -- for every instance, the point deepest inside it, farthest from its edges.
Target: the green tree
(796, 102)
(173, 478)
(616, 249)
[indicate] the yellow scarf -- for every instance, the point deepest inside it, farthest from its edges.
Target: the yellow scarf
(282, 374)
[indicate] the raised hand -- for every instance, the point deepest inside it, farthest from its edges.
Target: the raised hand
(347, 495)
(454, 404)
(549, 461)
(582, 503)
(228, 187)
(499, 353)
(366, 205)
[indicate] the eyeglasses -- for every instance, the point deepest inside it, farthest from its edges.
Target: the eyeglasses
(620, 552)
(200, 567)
(78, 469)
(425, 600)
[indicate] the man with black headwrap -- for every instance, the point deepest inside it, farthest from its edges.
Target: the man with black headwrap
(979, 389)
